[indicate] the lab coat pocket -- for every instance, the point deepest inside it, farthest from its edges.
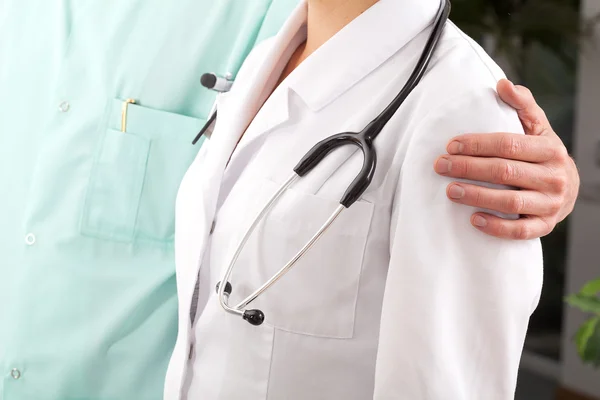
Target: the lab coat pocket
(136, 175)
(318, 295)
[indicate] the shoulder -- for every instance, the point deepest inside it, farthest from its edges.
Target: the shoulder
(456, 96)
(462, 64)
(463, 56)
(458, 93)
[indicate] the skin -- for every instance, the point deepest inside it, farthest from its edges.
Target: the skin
(325, 19)
(537, 163)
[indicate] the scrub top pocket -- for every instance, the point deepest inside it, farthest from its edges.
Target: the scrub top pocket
(136, 175)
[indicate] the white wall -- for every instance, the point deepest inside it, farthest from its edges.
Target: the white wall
(584, 241)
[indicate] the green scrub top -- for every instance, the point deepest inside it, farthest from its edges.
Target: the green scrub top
(88, 303)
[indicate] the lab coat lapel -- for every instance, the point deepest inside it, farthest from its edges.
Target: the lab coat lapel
(236, 109)
(342, 62)
(250, 99)
(317, 86)
(350, 56)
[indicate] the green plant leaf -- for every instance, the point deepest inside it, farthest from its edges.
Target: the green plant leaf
(584, 334)
(587, 340)
(585, 303)
(591, 288)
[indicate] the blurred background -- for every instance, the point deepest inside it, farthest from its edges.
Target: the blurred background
(553, 47)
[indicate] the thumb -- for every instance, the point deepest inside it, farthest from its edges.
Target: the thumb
(532, 117)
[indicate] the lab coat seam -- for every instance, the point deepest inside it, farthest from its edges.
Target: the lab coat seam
(429, 116)
(440, 109)
(335, 171)
(365, 241)
(313, 335)
(399, 154)
(362, 267)
(274, 330)
(472, 48)
(315, 194)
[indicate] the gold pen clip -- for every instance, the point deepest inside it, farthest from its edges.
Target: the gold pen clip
(126, 104)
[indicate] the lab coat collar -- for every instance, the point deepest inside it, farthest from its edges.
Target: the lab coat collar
(358, 49)
(244, 101)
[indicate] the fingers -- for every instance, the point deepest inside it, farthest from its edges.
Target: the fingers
(537, 162)
(497, 171)
(509, 94)
(505, 145)
(525, 228)
(520, 98)
(518, 202)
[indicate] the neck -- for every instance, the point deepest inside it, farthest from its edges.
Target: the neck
(325, 19)
(328, 17)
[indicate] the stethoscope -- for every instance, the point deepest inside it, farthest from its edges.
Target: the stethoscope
(363, 140)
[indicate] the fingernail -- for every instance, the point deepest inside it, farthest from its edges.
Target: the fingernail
(443, 166)
(479, 221)
(456, 192)
(455, 147)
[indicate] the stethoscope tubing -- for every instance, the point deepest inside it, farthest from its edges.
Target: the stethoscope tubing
(294, 260)
(364, 141)
(224, 296)
(222, 288)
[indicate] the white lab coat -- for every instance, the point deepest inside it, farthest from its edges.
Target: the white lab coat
(402, 298)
